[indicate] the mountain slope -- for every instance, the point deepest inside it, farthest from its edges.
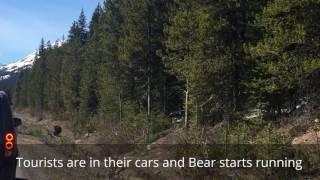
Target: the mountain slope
(26, 62)
(9, 72)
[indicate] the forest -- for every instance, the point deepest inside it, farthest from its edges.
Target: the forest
(145, 66)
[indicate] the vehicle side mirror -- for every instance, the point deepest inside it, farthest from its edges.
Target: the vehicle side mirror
(17, 122)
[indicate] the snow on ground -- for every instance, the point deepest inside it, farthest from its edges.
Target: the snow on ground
(4, 77)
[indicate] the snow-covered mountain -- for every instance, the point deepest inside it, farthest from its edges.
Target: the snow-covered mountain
(9, 72)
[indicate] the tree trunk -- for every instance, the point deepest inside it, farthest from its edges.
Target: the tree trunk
(186, 106)
(149, 74)
(120, 108)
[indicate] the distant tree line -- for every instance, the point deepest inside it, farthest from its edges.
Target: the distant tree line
(148, 60)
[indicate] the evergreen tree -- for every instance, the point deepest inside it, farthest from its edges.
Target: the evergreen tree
(54, 63)
(286, 55)
(95, 21)
(88, 84)
(110, 76)
(39, 80)
(71, 66)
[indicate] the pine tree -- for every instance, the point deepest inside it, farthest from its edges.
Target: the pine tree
(284, 55)
(54, 63)
(39, 80)
(71, 66)
(95, 21)
(88, 84)
(110, 77)
(82, 24)
(185, 38)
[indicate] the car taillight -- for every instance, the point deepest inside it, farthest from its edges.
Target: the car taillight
(9, 137)
(9, 141)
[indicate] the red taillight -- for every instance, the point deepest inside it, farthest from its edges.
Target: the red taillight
(9, 137)
(9, 144)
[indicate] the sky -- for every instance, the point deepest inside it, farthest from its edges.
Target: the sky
(24, 22)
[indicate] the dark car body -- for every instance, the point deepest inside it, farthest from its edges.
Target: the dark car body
(7, 131)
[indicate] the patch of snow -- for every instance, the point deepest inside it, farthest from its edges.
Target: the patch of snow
(253, 113)
(302, 103)
(4, 77)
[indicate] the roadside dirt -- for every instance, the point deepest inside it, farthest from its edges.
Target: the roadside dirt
(32, 126)
(312, 136)
(36, 142)
(303, 128)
